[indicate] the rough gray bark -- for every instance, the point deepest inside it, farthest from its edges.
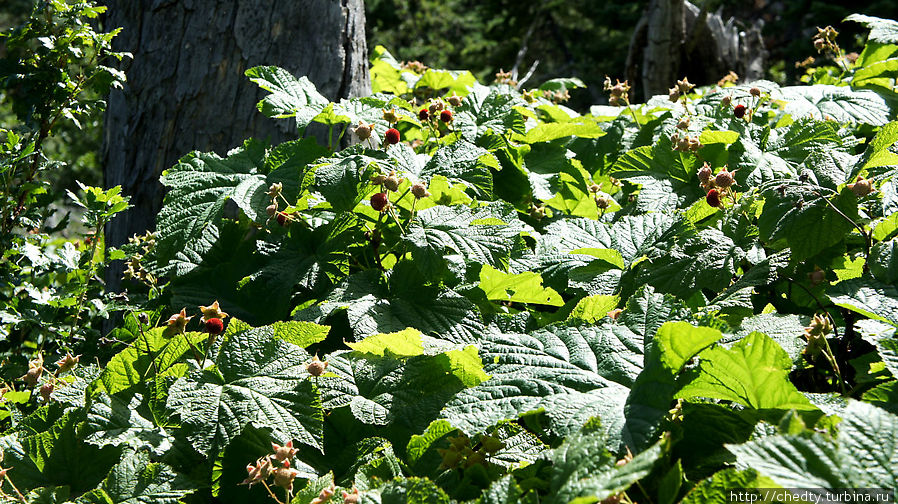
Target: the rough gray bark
(186, 89)
(676, 39)
(666, 28)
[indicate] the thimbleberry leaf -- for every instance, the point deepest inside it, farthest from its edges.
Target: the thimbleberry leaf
(136, 480)
(256, 380)
(290, 97)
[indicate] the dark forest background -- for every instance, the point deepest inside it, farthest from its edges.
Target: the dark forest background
(588, 39)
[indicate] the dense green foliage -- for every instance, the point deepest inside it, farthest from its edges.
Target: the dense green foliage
(488, 297)
(51, 78)
(581, 38)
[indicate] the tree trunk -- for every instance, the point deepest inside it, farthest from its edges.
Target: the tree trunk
(666, 28)
(676, 39)
(186, 89)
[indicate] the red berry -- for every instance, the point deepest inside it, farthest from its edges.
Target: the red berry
(739, 111)
(214, 326)
(392, 136)
(713, 198)
(446, 116)
(423, 114)
(282, 219)
(379, 201)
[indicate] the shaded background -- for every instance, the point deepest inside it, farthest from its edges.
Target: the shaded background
(570, 38)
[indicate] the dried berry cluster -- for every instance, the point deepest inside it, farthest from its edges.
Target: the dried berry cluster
(537, 212)
(36, 371)
(275, 192)
(327, 494)
(685, 143)
(134, 265)
(619, 93)
(439, 109)
(363, 130)
(275, 465)
(603, 201)
(415, 66)
(730, 78)
(380, 201)
(681, 89)
(503, 77)
(559, 96)
(861, 187)
(816, 333)
(212, 320)
(316, 367)
(825, 40)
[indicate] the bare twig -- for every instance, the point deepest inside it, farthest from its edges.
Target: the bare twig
(523, 50)
(529, 73)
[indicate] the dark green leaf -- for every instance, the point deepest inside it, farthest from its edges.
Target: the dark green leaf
(464, 162)
(290, 97)
(257, 380)
(200, 184)
(805, 219)
(560, 372)
(137, 481)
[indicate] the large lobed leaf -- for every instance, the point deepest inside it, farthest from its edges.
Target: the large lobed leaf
(565, 371)
(864, 454)
(290, 97)
(135, 480)
(399, 378)
(753, 373)
(483, 235)
(257, 380)
(374, 304)
(583, 470)
(806, 219)
(200, 185)
(837, 103)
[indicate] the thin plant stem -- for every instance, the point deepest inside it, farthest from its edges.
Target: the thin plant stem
(636, 119)
(273, 496)
(828, 353)
(147, 341)
(16, 490)
(396, 219)
(85, 286)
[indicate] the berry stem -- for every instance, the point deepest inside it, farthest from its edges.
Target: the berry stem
(147, 341)
(407, 189)
(868, 239)
(840, 59)
(635, 119)
(396, 218)
(828, 353)
(411, 216)
(343, 132)
(16, 490)
(431, 133)
(273, 496)
(817, 300)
